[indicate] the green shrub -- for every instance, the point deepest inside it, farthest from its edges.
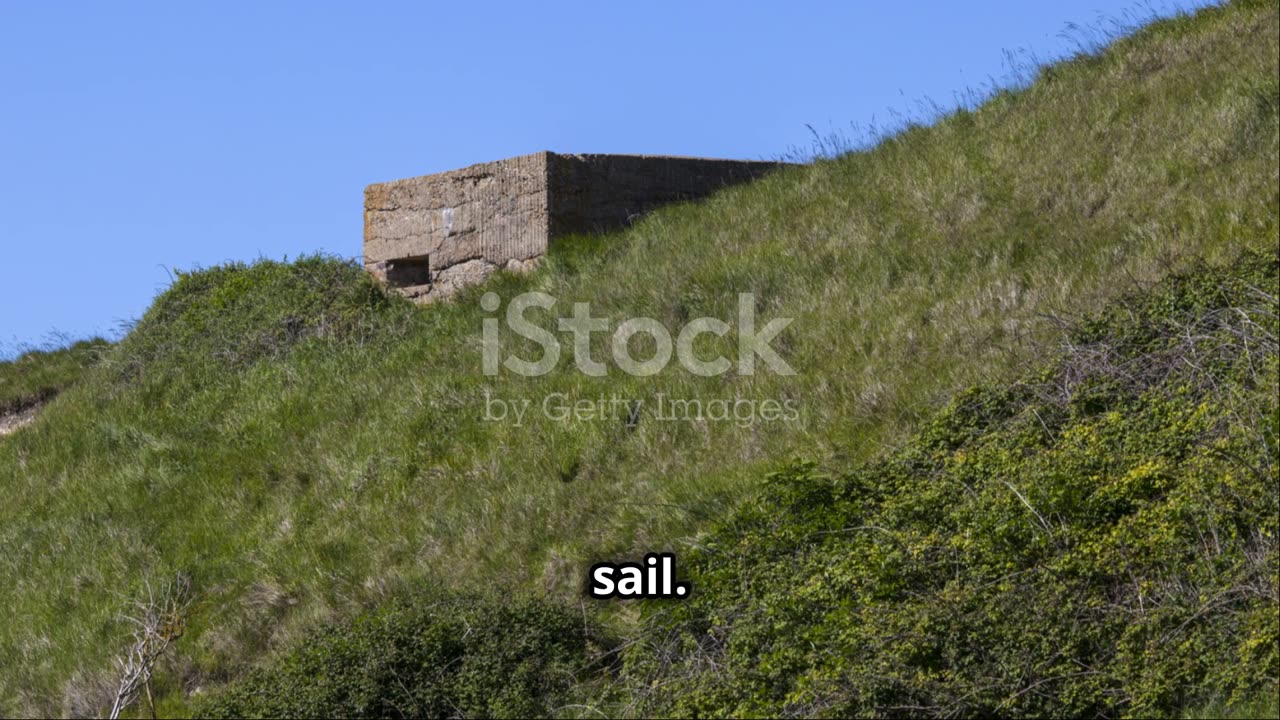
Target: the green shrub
(462, 657)
(1100, 540)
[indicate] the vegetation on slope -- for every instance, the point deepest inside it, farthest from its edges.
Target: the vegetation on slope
(301, 448)
(1098, 540)
(228, 318)
(1101, 538)
(38, 376)
(460, 657)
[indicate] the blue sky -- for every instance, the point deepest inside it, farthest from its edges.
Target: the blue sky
(137, 137)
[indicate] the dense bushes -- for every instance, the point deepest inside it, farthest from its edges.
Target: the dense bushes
(1101, 540)
(450, 658)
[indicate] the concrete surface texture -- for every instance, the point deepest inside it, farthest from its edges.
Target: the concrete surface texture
(431, 235)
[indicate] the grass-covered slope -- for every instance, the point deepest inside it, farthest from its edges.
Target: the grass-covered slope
(37, 376)
(298, 444)
(1099, 539)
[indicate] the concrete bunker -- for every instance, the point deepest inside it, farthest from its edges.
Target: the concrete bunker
(431, 235)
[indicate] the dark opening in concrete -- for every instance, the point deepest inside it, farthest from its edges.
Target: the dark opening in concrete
(409, 272)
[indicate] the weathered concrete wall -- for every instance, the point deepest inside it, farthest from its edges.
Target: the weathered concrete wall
(452, 229)
(598, 193)
(434, 234)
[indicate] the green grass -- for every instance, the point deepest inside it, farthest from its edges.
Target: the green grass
(38, 376)
(1265, 705)
(1100, 538)
(302, 446)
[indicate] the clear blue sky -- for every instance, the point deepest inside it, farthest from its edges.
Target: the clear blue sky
(136, 137)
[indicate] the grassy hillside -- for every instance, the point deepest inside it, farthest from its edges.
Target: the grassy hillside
(299, 445)
(1101, 538)
(38, 376)
(1098, 538)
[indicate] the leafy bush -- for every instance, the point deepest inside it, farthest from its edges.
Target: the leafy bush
(1099, 540)
(462, 657)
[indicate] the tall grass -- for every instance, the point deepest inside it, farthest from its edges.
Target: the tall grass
(35, 376)
(346, 462)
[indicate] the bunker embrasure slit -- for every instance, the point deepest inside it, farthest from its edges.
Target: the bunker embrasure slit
(409, 272)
